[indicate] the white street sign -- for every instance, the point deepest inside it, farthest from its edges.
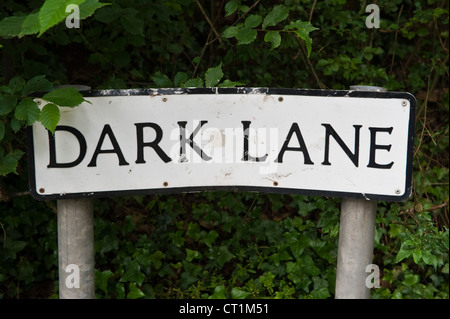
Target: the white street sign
(314, 142)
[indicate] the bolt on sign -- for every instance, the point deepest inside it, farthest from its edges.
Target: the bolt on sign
(348, 144)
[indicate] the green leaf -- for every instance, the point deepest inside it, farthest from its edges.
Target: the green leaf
(108, 15)
(231, 7)
(302, 29)
(16, 84)
(27, 110)
(274, 38)
(192, 254)
(417, 255)
(134, 292)
(89, 7)
(53, 12)
(278, 14)
(237, 293)
(133, 274)
(230, 84)
(219, 293)
(132, 24)
(161, 80)
(246, 36)
(180, 78)
(30, 25)
(429, 259)
(402, 254)
(8, 163)
(11, 26)
(7, 103)
(156, 258)
(49, 116)
(37, 84)
(230, 32)
(253, 21)
(193, 83)
(16, 124)
(67, 96)
(101, 279)
(213, 76)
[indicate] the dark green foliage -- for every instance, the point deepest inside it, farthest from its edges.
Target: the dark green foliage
(224, 245)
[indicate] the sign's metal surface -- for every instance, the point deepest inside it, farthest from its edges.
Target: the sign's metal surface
(144, 141)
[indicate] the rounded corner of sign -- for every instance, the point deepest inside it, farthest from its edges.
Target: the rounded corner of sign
(36, 195)
(405, 196)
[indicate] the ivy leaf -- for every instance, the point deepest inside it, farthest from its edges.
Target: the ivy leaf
(274, 38)
(54, 11)
(237, 293)
(246, 35)
(133, 274)
(429, 259)
(213, 76)
(402, 254)
(67, 96)
(101, 279)
(27, 110)
(134, 292)
(49, 116)
(7, 104)
(37, 84)
(278, 14)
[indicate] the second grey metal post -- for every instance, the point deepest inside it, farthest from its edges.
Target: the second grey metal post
(356, 239)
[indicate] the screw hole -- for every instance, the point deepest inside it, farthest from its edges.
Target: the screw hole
(164, 99)
(280, 99)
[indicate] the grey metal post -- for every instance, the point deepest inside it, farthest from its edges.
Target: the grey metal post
(76, 243)
(76, 249)
(356, 239)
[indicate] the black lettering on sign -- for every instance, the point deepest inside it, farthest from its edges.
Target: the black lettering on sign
(81, 140)
(329, 131)
(374, 146)
(294, 129)
(154, 144)
(247, 157)
(184, 140)
(116, 148)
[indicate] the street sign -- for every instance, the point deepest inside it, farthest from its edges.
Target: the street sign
(348, 144)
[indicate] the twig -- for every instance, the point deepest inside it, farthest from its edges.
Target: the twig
(395, 41)
(312, 10)
(201, 55)
(305, 57)
(209, 21)
(439, 206)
